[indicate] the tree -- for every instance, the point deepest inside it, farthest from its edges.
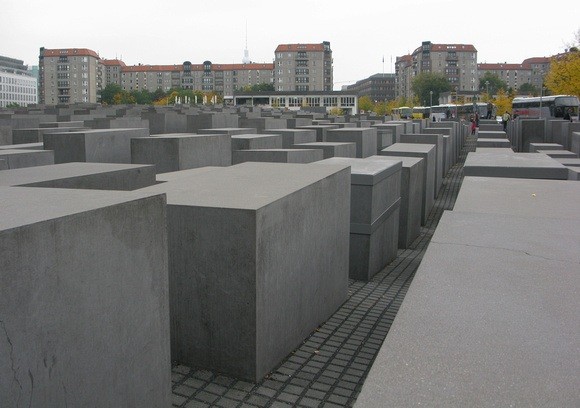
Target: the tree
(427, 82)
(142, 97)
(13, 105)
(108, 93)
(365, 103)
(503, 102)
(528, 89)
(563, 78)
(381, 108)
(491, 83)
(123, 98)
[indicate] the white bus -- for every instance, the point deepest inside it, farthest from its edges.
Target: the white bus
(556, 106)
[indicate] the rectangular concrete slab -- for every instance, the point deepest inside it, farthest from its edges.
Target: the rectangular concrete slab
(258, 256)
(255, 141)
(518, 165)
(522, 197)
(84, 298)
(412, 190)
(96, 146)
(330, 149)
(180, 151)
(493, 142)
(277, 155)
(94, 176)
(440, 153)
(290, 137)
(426, 152)
(490, 318)
(374, 217)
(365, 139)
(17, 159)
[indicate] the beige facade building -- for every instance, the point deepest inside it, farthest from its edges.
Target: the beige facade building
(303, 67)
(530, 71)
(457, 62)
(68, 76)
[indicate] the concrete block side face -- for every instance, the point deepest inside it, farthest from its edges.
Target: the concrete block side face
(212, 277)
(28, 158)
(385, 194)
(84, 300)
(206, 150)
(163, 153)
(67, 148)
(415, 202)
(302, 270)
(113, 146)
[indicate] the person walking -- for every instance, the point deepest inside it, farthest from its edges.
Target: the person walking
(505, 119)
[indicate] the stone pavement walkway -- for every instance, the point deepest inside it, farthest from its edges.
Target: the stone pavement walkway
(329, 368)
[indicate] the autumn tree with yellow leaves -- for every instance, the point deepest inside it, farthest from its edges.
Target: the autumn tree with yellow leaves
(563, 78)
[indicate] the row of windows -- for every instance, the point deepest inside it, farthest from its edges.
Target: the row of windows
(14, 97)
(18, 89)
(17, 81)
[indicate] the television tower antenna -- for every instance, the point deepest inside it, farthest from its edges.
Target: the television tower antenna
(246, 59)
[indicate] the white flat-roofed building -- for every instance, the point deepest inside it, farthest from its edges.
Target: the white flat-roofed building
(17, 85)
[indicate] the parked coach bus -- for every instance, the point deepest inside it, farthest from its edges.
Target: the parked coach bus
(420, 112)
(556, 106)
(403, 112)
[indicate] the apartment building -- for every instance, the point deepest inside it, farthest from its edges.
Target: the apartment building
(17, 83)
(303, 67)
(207, 77)
(68, 75)
(530, 71)
(378, 87)
(457, 62)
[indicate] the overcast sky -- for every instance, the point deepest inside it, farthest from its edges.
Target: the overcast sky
(360, 32)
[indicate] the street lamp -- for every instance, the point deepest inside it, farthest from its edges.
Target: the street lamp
(430, 102)
(487, 88)
(541, 91)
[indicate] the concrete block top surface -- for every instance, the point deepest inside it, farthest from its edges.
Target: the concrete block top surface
(28, 175)
(24, 146)
(493, 159)
(29, 205)
(503, 150)
(490, 319)
(14, 152)
(324, 144)
(246, 186)
(410, 147)
(516, 196)
(99, 131)
(366, 172)
(178, 136)
(255, 136)
(176, 175)
(407, 161)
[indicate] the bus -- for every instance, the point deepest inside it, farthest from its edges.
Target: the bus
(420, 112)
(440, 112)
(403, 112)
(553, 107)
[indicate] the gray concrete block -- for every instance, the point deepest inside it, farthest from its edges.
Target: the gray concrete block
(495, 344)
(491, 134)
(517, 165)
(35, 135)
(62, 124)
(412, 190)
(452, 146)
(503, 150)
(277, 155)
(530, 131)
(229, 131)
(330, 149)
(96, 146)
(258, 256)
(176, 175)
(84, 299)
(574, 173)
(537, 147)
(180, 151)
(320, 130)
(493, 126)
(365, 139)
(94, 176)
(559, 154)
(214, 120)
(575, 142)
(568, 162)
(374, 213)
(493, 142)
(262, 123)
(290, 137)
(16, 159)
(440, 153)
(25, 146)
(396, 130)
(256, 141)
(426, 152)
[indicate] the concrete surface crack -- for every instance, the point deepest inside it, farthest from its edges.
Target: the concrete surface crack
(519, 251)
(14, 374)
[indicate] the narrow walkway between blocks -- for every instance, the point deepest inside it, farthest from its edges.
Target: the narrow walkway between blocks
(329, 368)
